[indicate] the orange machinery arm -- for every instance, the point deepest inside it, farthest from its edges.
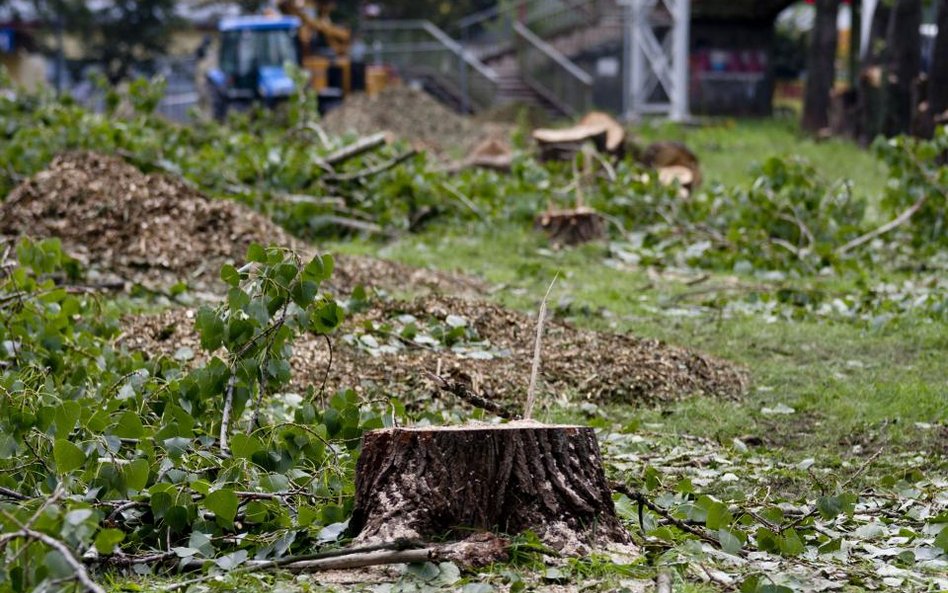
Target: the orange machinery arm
(338, 38)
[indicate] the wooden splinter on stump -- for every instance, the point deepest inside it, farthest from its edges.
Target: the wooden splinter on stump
(508, 478)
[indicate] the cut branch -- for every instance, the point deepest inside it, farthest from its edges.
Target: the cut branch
(892, 224)
(537, 348)
(78, 569)
(355, 149)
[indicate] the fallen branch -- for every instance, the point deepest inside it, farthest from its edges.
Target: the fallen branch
(355, 149)
(78, 569)
(12, 494)
(642, 501)
(465, 394)
(371, 171)
(350, 223)
(894, 223)
(225, 416)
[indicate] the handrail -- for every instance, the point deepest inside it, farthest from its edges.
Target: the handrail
(442, 38)
(420, 48)
(547, 9)
(565, 63)
(551, 74)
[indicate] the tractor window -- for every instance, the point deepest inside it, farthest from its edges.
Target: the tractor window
(275, 48)
(242, 52)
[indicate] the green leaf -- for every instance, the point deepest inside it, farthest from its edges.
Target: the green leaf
(67, 456)
(791, 544)
(829, 506)
(730, 543)
(136, 474)
(230, 275)
(243, 446)
(941, 540)
(223, 503)
(129, 426)
(211, 329)
(256, 253)
(107, 539)
(718, 516)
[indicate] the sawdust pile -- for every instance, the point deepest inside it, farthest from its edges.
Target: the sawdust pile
(155, 230)
(578, 364)
(412, 115)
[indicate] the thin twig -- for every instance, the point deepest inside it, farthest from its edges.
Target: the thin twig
(371, 171)
(464, 200)
(78, 569)
(897, 221)
(537, 347)
(465, 394)
(225, 416)
(355, 149)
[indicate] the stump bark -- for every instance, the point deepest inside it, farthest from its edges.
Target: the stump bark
(437, 481)
(571, 227)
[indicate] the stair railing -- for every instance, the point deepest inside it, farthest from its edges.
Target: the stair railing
(419, 48)
(551, 74)
(492, 30)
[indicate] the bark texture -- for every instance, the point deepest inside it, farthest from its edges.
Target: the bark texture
(938, 73)
(904, 65)
(821, 66)
(571, 227)
(423, 482)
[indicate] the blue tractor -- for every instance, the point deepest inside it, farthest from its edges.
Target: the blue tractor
(254, 51)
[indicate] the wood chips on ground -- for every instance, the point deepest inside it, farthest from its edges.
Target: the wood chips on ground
(412, 115)
(579, 364)
(156, 230)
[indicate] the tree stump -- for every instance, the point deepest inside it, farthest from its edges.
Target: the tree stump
(572, 226)
(509, 478)
(564, 144)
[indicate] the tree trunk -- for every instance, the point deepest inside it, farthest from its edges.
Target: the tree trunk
(821, 66)
(938, 72)
(424, 482)
(871, 103)
(904, 64)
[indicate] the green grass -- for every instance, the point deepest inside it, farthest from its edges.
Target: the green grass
(848, 384)
(729, 150)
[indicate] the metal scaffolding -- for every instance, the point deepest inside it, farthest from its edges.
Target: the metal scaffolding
(656, 58)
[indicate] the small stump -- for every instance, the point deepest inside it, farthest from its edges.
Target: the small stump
(433, 481)
(571, 227)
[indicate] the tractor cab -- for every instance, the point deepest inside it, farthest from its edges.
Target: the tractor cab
(254, 51)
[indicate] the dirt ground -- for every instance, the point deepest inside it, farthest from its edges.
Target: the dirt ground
(577, 364)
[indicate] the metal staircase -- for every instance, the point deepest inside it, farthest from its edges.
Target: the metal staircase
(513, 52)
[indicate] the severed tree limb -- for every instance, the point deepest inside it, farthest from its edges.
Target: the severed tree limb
(465, 394)
(645, 502)
(895, 222)
(78, 569)
(12, 494)
(358, 175)
(355, 149)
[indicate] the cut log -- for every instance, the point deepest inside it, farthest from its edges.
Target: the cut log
(563, 144)
(439, 481)
(615, 133)
(659, 155)
(571, 227)
(676, 173)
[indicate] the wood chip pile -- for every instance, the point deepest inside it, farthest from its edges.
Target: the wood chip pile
(412, 115)
(155, 230)
(579, 364)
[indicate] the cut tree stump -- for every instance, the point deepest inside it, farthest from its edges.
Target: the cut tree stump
(615, 133)
(572, 226)
(508, 478)
(563, 144)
